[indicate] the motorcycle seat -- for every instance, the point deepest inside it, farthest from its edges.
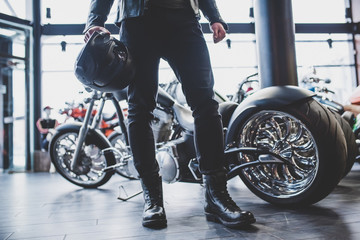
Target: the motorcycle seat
(184, 117)
(183, 114)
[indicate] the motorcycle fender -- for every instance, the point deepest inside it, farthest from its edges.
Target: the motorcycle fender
(274, 97)
(76, 126)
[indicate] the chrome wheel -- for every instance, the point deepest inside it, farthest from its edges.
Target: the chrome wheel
(286, 136)
(92, 161)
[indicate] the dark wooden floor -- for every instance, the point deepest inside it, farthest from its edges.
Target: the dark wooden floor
(46, 206)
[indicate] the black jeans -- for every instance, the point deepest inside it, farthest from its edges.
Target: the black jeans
(174, 35)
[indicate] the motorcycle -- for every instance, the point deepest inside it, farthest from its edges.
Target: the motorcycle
(245, 88)
(352, 111)
(342, 114)
(286, 147)
(73, 112)
(76, 112)
(174, 89)
(323, 95)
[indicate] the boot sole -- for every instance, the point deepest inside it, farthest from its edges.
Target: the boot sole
(158, 223)
(239, 224)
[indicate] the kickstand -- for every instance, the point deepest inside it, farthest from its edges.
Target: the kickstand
(124, 196)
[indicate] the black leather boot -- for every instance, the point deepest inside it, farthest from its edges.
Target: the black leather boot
(219, 207)
(154, 213)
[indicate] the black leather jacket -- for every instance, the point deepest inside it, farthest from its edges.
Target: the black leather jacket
(99, 10)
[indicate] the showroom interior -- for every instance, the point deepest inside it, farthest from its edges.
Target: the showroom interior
(314, 45)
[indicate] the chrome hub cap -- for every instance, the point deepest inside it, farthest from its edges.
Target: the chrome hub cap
(290, 139)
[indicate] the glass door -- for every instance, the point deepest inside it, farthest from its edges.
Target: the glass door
(13, 98)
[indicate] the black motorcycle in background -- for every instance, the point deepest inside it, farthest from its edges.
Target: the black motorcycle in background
(287, 148)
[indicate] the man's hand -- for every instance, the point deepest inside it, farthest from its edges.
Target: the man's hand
(219, 32)
(94, 29)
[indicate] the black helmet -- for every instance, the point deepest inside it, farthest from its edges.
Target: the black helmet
(104, 64)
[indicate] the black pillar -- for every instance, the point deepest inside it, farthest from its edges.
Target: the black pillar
(275, 38)
(37, 68)
(355, 14)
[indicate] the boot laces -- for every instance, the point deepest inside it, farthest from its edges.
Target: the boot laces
(223, 194)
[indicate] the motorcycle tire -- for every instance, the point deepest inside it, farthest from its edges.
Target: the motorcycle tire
(352, 149)
(306, 134)
(89, 173)
(127, 170)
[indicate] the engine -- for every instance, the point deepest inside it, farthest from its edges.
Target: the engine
(161, 125)
(167, 157)
(174, 159)
(173, 156)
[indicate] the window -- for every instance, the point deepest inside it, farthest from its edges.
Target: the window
(331, 55)
(230, 63)
(16, 8)
(69, 11)
(59, 82)
(319, 11)
(234, 11)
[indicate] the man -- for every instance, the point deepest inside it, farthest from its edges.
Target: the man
(169, 29)
(44, 125)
